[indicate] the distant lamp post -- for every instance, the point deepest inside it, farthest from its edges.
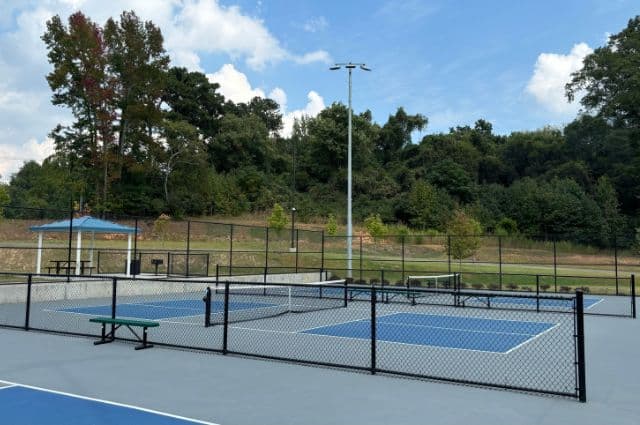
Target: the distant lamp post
(350, 67)
(293, 231)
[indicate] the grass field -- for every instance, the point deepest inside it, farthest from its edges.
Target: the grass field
(511, 261)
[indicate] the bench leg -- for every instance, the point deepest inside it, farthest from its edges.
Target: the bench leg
(104, 339)
(144, 341)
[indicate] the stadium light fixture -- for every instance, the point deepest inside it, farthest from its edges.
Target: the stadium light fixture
(350, 66)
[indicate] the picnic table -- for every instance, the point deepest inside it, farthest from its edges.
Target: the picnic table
(66, 265)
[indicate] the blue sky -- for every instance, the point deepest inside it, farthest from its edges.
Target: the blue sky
(452, 61)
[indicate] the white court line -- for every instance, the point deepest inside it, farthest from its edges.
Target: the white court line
(531, 339)
(112, 403)
(595, 303)
(7, 386)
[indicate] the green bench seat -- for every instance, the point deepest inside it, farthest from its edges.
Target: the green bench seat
(129, 324)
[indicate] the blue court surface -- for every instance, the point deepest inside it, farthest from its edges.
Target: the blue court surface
(154, 310)
(467, 333)
(23, 405)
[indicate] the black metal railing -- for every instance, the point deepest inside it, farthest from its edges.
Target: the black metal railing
(482, 338)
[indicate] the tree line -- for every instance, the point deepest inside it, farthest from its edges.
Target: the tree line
(148, 138)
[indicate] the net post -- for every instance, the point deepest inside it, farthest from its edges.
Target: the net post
(207, 307)
(374, 298)
(633, 296)
(225, 331)
(538, 293)
(27, 313)
(348, 281)
(581, 384)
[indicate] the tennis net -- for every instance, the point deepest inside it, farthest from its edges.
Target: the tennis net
(247, 301)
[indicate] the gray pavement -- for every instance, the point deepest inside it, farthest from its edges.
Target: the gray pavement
(240, 391)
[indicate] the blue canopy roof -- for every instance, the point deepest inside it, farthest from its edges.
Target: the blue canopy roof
(84, 224)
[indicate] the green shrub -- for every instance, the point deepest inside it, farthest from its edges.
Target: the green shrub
(477, 285)
(565, 289)
(506, 227)
(512, 286)
(332, 226)
(375, 227)
(278, 219)
(545, 287)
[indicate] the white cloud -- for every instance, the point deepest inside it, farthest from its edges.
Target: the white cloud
(552, 71)
(234, 85)
(317, 56)
(12, 157)
(315, 24)
(207, 26)
(315, 104)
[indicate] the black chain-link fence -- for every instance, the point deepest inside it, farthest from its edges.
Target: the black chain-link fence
(531, 342)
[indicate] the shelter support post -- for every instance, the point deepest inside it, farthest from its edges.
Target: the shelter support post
(128, 272)
(78, 253)
(39, 254)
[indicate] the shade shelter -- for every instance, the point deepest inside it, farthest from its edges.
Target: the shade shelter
(86, 224)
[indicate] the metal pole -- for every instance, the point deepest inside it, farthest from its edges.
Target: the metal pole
(555, 266)
(293, 226)
(266, 250)
(449, 252)
(538, 293)
(500, 259)
(322, 254)
(633, 296)
(225, 330)
(188, 244)
(349, 153)
(373, 329)
(615, 261)
(135, 249)
(70, 239)
(582, 387)
(230, 248)
(297, 245)
(360, 258)
(402, 240)
(28, 306)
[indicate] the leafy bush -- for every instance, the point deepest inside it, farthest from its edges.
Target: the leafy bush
(278, 219)
(477, 285)
(512, 286)
(332, 226)
(494, 286)
(375, 227)
(464, 240)
(506, 227)
(545, 287)
(565, 289)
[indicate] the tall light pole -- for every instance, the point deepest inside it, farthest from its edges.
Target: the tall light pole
(350, 67)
